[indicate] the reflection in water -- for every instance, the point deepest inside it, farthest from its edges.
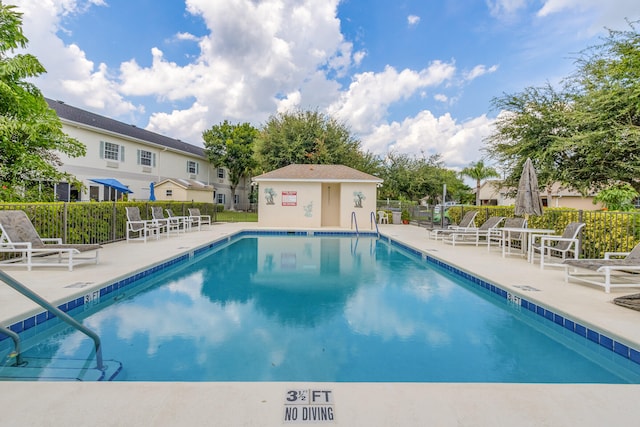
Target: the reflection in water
(321, 309)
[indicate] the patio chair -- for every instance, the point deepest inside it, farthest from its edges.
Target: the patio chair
(181, 222)
(383, 217)
(466, 223)
(159, 218)
(607, 272)
(486, 230)
(512, 240)
(550, 246)
(141, 229)
(198, 219)
(19, 236)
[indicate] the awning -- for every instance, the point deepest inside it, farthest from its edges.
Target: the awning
(113, 183)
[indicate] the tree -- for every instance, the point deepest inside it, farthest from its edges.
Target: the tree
(414, 177)
(30, 132)
(231, 146)
(585, 135)
(479, 171)
(310, 137)
(618, 197)
(530, 124)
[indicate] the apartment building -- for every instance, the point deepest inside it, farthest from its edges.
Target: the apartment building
(125, 159)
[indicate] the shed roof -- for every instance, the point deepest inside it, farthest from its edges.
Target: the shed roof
(321, 173)
(188, 184)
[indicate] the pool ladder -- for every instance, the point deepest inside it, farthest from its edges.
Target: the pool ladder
(354, 220)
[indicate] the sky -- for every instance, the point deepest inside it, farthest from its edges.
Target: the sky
(406, 76)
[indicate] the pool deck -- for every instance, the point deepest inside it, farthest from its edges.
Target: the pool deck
(355, 404)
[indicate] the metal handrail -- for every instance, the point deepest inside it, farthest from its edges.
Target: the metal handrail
(59, 313)
(354, 219)
(374, 221)
(16, 342)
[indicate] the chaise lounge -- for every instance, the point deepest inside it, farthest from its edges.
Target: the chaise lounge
(608, 272)
(486, 230)
(19, 236)
(466, 223)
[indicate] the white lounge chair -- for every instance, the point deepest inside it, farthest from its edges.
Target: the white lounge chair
(19, 236)
(607, 272)
(141, 229)
(197, 219)
(473, 236)
(466, 223)
(549, 246)
(181, 222)
(159, 218)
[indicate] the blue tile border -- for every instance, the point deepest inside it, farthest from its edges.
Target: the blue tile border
(604, 341)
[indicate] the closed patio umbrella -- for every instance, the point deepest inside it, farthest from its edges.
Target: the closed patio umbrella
(152, 193)
(528, 201)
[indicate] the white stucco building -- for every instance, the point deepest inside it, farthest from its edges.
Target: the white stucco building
(136, 157)
(316, 196)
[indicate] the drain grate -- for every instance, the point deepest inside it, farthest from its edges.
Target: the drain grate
(527, 288)
(79, 285)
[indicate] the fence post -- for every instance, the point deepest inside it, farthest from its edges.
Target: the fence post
(65, 222)
(114, 221)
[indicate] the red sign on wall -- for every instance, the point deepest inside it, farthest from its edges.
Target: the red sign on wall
(289, 198)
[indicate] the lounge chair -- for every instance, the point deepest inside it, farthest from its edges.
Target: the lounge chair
(485, 231)
(511, 239)
(607, 272)
(557, 245)
(197, 219)
(181, 222)
(141, 229)
(168, 223)
(466, 223)
(19, 236)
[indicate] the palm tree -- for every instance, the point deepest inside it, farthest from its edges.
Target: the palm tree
(479, 171)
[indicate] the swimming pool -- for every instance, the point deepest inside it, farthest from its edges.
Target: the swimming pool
(298, 308)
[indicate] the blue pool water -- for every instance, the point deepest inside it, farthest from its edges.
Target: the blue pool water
(345, 309)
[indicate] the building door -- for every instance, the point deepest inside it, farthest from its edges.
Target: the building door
(330, 205)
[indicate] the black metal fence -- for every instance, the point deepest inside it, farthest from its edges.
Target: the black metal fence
(94, 222)
(604, 231)
(105, 222)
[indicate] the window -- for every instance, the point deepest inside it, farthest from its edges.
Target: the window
(236, 199)
(146, 158)
(220, 173)
(111, 151)
(221, 199)
(169, 193)
(192, 167)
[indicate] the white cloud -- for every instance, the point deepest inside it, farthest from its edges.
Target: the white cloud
(505, 8)
(369, 96)
(70, 76)
(458, 143)
(480, 70)
(605, 14)
(441, 97)
(413, 20)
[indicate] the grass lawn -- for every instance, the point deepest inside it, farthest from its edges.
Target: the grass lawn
(231, 216)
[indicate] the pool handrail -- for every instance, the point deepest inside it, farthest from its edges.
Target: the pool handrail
(374, 221)
(354, 219)
(56, 311)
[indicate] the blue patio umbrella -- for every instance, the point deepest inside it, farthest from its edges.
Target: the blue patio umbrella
(152, 193)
